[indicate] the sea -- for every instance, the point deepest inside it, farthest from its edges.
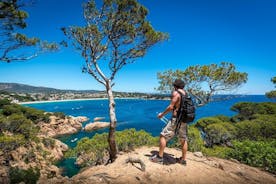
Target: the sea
(140, 114)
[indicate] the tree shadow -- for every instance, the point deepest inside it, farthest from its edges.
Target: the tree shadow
(168, 158)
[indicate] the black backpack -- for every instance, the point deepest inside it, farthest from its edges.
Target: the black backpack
(186, 111)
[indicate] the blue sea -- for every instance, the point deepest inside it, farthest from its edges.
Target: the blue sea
(131, 113)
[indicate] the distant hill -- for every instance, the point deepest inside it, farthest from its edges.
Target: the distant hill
(23, 88)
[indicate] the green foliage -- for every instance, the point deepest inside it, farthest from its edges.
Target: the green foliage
(256, 153)
(247, 110)
(272, 94)
(4, 102)
(29, 156)
(195, 142)
(129, 139)
(97, 147)
(11, 109)
(118, 31)
(261, 127)
(194, 139)
(12, 21)
(221, 133)
(59, 115)
(30, 113)
(29, 176)
(35, 115)
(218, 78)
(18, 124)
(8, 143)
(48, 142)
(252, 133)
(217, 151)
(204, 122)
(223, 118)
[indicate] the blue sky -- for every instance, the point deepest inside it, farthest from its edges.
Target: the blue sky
(201, 32)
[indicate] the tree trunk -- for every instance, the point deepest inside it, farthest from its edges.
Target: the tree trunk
(113, 121)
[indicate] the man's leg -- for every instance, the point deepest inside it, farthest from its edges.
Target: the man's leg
(166, 134)
(183, 136)
(184, 145)
(162, 145)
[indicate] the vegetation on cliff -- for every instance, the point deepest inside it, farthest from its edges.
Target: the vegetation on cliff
(95, 151)
(249, 136)
(24, 151)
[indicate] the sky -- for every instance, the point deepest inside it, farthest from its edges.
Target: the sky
(201, 32)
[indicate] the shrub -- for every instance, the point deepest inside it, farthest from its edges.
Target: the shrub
(96, 148)
(217, 151)
(204, 122)
(4, 102)
(219, 134)
(261, 128)
(11, 109)
(18, 124)
(223, 118)
(59, 115)
(35, 115)
(194, 139)
(29, 176)
(256, 153)
(48, 142)
(8, 143)
(129, 139)
(247, 110)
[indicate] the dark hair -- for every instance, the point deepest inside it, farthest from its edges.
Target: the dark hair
(178, 83)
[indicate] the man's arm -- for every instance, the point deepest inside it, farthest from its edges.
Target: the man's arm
(171, 106)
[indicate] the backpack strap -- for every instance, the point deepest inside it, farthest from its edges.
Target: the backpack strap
(179, 115)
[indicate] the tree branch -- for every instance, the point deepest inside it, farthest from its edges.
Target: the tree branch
(137, 160)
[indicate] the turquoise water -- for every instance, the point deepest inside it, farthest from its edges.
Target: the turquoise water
(131, 113)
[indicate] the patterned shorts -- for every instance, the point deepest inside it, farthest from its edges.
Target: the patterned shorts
(169, 131)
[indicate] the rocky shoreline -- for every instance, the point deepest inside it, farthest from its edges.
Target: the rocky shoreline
(42, 153)
(62, 126)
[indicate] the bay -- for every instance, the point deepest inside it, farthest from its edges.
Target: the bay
(131, 113)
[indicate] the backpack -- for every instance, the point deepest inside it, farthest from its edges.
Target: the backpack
(186, 111)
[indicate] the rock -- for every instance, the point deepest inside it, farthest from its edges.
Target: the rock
(96, 125)
(57, 151)
(234, 160)
(58, 127)
(98, 118)
(198, 154)
(4, 175)
(80, 119)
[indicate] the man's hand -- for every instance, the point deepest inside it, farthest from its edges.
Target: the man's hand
(160, 115)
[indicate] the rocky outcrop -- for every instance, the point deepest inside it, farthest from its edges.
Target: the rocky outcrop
(62, 126)
(35, 155)
(98, 118)
(96, 125)
(200, 170)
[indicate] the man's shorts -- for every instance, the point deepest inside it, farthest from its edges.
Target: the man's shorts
(169, 131)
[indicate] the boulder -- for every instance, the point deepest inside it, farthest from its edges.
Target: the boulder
(96, 125)
(98, 118)
(58, 127)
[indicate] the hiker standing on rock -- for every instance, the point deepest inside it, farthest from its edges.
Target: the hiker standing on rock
(172, 128)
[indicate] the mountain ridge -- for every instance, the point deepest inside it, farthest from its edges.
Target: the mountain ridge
(25, 88)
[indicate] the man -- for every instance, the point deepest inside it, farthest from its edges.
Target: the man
(169, 131)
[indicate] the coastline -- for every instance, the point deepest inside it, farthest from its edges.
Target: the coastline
(80, 99)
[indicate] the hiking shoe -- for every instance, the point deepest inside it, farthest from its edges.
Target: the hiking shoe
(181, 161)
(156, 159)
